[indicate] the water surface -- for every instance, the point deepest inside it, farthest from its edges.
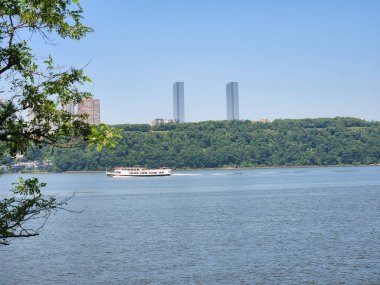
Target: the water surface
(263, 226)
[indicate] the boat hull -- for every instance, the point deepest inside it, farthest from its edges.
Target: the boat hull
(138, 172)
(135, 175)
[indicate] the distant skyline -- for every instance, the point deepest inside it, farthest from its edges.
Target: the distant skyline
(292, 58)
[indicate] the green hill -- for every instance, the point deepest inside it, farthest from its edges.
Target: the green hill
(232, 144)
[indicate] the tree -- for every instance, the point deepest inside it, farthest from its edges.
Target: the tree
(27, 205)
(36, 86)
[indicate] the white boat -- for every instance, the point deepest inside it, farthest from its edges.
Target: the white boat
(139, 171)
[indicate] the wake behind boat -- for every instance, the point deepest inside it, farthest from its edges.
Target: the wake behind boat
(139, 171)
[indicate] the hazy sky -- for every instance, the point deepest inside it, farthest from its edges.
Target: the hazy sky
(292, 59)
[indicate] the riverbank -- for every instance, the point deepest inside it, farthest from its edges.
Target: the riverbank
(216, 168)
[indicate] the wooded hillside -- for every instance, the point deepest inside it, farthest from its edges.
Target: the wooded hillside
(231, 143)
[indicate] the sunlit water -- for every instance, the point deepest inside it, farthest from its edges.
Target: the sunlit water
(264, 226)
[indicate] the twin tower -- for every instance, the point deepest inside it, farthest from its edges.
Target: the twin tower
(232, 96)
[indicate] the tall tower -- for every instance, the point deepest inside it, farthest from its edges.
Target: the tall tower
(232, 92)
(179, 102)
(91, 107)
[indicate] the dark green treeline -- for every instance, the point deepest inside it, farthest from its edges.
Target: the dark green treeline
(232, 144)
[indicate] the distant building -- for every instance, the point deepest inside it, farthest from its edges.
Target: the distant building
(19, 156)
(28, 165)
(179, 102)
(232, 94)
(157, 122)
(30, 115)
(17, 166)
(69, 107)
(265, 121)
(91, 107)
(3, 168)
(3, 102)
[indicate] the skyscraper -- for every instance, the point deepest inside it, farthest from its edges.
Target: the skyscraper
(91, 107)
(179, 102)
(232, 92)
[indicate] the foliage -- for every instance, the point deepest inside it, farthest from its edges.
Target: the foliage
(36, 89)
(21, 210)
(233, 144)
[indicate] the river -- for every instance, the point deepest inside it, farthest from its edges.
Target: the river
(259, 226)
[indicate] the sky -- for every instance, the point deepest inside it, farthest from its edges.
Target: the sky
(292, 58)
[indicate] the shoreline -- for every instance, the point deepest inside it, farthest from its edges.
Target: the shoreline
(216, 168)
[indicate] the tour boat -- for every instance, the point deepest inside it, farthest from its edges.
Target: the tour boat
(139, 171)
